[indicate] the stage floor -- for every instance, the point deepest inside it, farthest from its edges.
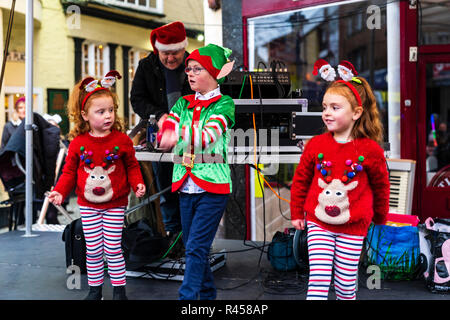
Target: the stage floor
(33, 268)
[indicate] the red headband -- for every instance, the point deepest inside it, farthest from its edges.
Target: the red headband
(89, 94)
(91, 85)
(355, 92)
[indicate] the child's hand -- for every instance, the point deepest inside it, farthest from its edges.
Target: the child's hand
(55, 197)
(298, 224)
(168, 140)
(140, 191)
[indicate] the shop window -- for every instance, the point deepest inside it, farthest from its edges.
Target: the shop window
(433, 19)
(333, 32)
(11, 98)
(95, 59)
(438, 120)
(358, 57)
(355, 23)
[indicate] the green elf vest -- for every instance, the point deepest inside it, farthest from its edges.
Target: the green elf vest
(201, 151)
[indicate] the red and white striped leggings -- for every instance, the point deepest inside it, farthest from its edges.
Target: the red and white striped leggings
(327, 250)
(102, 230)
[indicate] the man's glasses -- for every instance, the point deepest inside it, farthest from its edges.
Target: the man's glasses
(196, 70)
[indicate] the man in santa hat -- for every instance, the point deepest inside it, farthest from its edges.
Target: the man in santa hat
(158, 83)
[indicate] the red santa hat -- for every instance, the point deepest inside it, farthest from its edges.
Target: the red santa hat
(170, 37)
(346, 70)
(318, 66)
(326, 71)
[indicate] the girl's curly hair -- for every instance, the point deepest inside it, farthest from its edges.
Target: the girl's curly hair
(81, 126)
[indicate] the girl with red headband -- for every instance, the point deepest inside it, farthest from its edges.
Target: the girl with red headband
(101, 164)
(341, 184)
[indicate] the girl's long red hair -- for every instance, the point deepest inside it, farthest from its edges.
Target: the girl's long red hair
(369, 125)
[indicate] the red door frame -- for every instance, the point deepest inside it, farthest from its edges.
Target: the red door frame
(412, 135)
(432, 200)
(408, 92)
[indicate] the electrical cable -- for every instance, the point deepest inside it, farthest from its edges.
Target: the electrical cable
(285, 283)
(152, 197)
(242, 87)
(8, 37)
(268, 184)
(279, 202)
(173, 244)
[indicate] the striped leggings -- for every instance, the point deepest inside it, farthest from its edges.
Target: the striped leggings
(327, 250)
(102, 230)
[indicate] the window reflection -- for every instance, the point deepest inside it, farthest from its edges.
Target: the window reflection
(332, 32)
(438, 115)
(434, 17)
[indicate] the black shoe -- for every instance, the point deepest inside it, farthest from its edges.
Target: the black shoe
(119, 293)
(95, 293)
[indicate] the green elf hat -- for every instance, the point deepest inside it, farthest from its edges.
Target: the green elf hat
(214, 59)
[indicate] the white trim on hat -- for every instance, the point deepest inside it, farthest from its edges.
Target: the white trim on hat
(324, 66)
(172, 46)
(56, 117)
(346, 77)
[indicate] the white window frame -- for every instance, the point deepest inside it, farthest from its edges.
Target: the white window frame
(94, 58)
(134, 4)
(136, 54)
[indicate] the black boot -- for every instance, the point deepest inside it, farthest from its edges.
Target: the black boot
(95, 293)
(119, 293)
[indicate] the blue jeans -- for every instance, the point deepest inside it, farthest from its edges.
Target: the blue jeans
(200, 218)
(168, 202)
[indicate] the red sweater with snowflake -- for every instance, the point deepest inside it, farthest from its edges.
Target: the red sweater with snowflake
(102, 169)
(341, 186)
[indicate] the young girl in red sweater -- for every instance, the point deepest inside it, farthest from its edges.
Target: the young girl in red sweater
(340, 185)
(101, 164)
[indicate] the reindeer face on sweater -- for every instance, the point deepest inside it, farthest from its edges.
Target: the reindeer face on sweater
(98, 188)
(333, 206)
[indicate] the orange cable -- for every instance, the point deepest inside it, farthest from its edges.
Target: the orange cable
(254, 148)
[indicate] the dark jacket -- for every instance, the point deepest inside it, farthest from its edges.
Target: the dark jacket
(148, 91)
(45, 152)
(8, 131)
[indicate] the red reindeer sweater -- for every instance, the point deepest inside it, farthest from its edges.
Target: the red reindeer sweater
(102, 169)
(341, 186)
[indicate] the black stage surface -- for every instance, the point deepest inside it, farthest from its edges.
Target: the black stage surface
(33, 268)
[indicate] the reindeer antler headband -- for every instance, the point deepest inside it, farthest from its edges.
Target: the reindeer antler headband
(346, 71)
(91, 85)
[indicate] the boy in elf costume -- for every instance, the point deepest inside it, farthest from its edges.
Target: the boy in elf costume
(197, 127)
